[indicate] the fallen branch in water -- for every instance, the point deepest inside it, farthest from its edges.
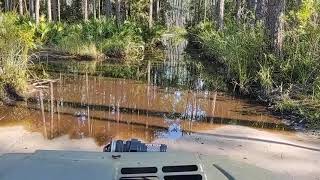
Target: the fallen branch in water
(2, 118)
(44, 81)
(42, 87)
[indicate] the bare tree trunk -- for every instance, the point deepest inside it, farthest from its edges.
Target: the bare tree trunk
(239, 10)
(12, 5)
(99, 9)
(37, 11)
(118, 8)
(252, 4)
(151, 14)
(85, 10)
(25, 6)
(261, 10)
(129, 9)
(94, 3)
(21, 7)
(7, 5)
(59, 10)
(220, 14)
(275, 25)
(49, 10)
(299, 3)
(54, 10)
(31, 9)
(158, 9)
(108, 8)
(205, 10)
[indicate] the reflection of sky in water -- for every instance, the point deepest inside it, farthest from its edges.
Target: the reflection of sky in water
(194, 113)
(178, 97)
(174, 130)
(81, 120)
(199, 84)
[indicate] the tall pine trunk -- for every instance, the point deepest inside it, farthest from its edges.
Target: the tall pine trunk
(124, 10)
(205, 10)
(37, 11)
(220, 14)
(129, 9)
(108, 8)
(31, 9)
(118, 9)
(99, 8)
(94, 6)
(49, 10)
(7, 5)
(54, 10)
(275, 25)
(158, 9)
(261, 10)
(21, 7)
(151, 14)
(299, 3)
(239, 10)
(252, 5)
(85, 10)
(59, 10)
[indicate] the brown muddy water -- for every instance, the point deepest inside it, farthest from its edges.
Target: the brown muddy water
(104, 108)
(172, 101)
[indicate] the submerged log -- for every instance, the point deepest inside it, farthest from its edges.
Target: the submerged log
(13, 93)
(51, 54)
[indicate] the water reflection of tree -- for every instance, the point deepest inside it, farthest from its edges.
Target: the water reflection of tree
(178, 15)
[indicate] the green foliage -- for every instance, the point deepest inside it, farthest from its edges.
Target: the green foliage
(242, 48)
(239, 49)
(119, 71)
(73, 12)
(304, 110)
(93, 68)
(265, 77)
(286, 105)
(302, 48)
(306, 11)
(15, 42)
(316, 88)
(139, 12)
(98, 37)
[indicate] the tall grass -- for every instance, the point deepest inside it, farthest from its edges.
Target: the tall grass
(240, 49)
(98, 37)
(291, 83)
(15, 42)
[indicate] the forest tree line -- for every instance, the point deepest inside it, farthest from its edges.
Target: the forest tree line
(72, 10)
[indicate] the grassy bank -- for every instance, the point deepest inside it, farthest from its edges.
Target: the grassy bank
(99, 39)
(95, 39)
(290, 85)
(15, 43)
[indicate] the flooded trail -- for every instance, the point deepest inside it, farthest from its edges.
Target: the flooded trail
(175, 102)
(89, 106)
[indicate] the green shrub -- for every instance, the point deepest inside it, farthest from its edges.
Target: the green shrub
(253, 69)
(239, 49)
(15, 42)
(75, 45)
(94, 38)
(113, 47)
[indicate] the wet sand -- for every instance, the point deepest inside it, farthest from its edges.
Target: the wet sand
(295, 155)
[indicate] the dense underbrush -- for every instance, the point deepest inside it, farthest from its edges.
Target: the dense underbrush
(291, 85)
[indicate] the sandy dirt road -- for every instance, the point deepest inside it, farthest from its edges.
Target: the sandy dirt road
(295, 155)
